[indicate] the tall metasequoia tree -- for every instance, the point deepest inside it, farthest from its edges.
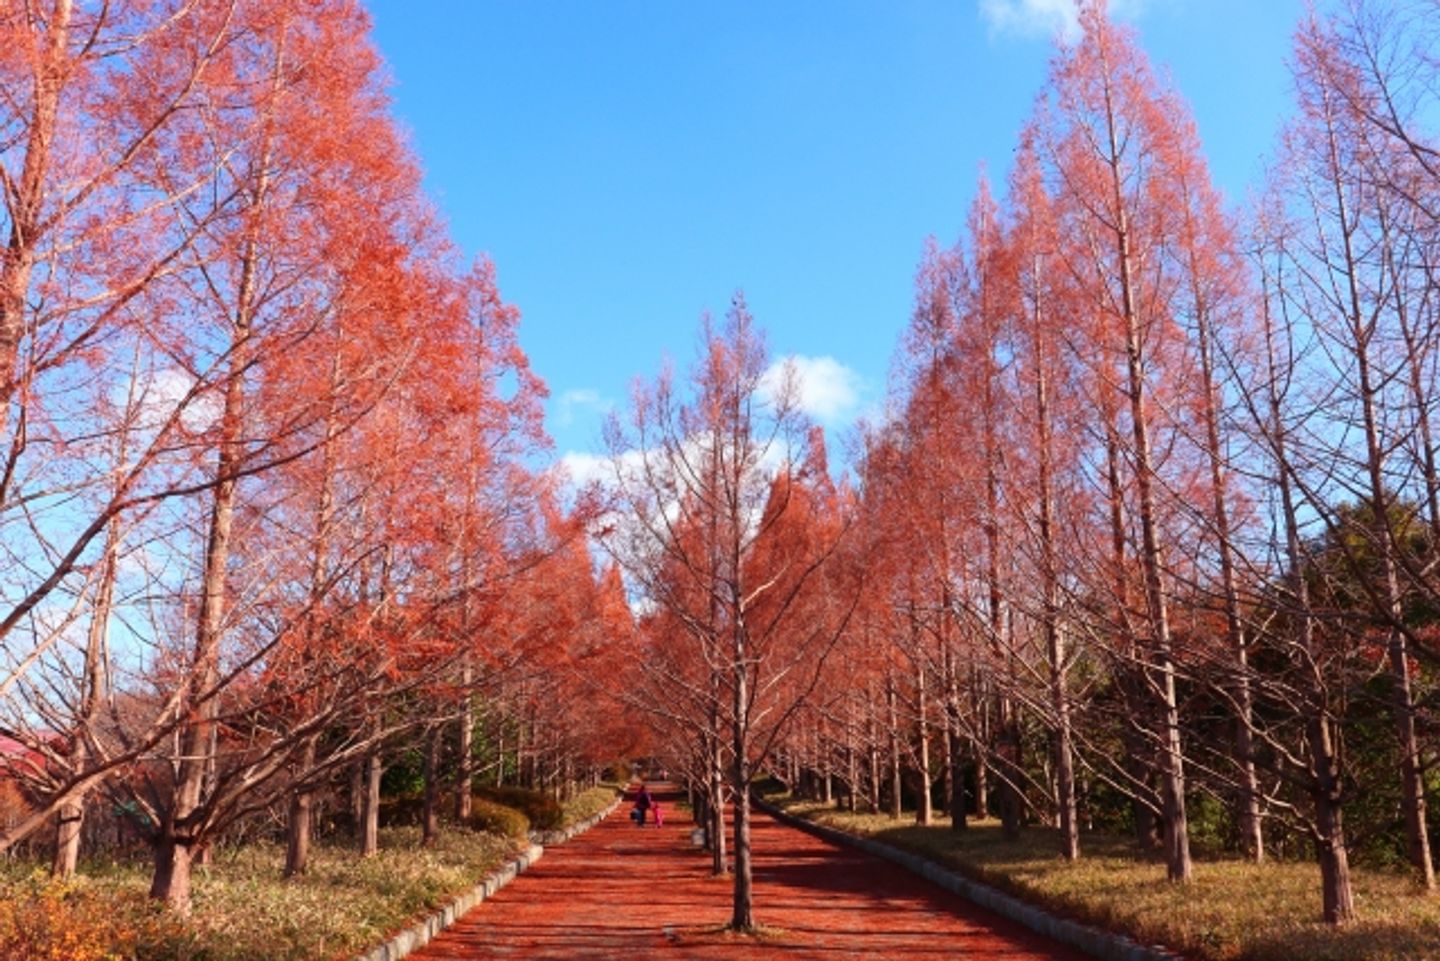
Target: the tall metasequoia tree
(307, 660)
(1111, 139)
(1319, 769)
(269, 286)
(98, 234)
(901, 491)
(925, 499)
(695, 501)
(1353, 305)
(94, 690)
(498, 430)
(238, 307)
(704, 458)
(880, 544)
(1213, 311)
(363, 372)
(1036, 314)
(980, 372)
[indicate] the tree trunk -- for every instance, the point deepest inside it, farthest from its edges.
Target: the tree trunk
(923, 813)
(1179, 866)
(852, 776)
(464, 769)
(947, 781)
(1336, 893)
(1137, 763)
(895, 783)
(872, 747)
(980, 748)
(1064, 752)
(1412, 785)
(171, 880)
(1251, 833)
(71, 817)
(357, 797)
(430, 820)
(742, 917)
(1412, 797)
(954, 745)
(1011, 770)
(198, 734)
(370, 828)
(300, 828)
(718, 865)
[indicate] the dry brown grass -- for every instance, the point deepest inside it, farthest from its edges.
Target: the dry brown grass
(1233, 911)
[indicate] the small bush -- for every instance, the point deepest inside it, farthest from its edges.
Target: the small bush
(486, 815)
(545, 813)
(44, 920)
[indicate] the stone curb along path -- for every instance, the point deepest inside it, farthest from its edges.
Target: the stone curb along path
(420, 933)
(1093, 941)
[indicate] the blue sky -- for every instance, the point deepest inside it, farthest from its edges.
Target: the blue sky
(630, 164)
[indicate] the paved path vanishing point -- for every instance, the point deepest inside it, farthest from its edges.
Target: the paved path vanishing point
(623, 892)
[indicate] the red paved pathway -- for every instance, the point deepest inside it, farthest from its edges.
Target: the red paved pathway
(623, 892)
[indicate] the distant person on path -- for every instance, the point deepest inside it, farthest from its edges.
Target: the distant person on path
(643, 803)
(659, 815)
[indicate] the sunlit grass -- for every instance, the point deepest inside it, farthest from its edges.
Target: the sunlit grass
(1232, 910)
(244, 911)
(589, 803)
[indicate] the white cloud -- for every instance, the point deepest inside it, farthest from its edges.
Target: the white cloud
(1046, 18)
(584, 468)
(157, 396)
(828, 390)
(579, 399)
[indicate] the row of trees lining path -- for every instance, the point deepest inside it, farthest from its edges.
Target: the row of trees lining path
(621, 891)
(273, 504)
(1147, 538)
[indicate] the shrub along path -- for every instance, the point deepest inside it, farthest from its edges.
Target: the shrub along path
(619, 891)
